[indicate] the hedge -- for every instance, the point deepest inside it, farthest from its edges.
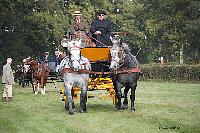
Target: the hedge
(183, 73)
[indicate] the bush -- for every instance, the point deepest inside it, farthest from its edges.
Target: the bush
(185, 73)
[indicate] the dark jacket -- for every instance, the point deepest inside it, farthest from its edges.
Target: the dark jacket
(106, 27)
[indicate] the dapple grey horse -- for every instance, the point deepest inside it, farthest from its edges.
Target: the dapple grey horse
(126, 72)
(73, 77)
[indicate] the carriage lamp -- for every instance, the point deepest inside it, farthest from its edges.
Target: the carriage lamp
(53, 42)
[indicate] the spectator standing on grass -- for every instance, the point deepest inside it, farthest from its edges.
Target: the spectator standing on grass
(8, 79)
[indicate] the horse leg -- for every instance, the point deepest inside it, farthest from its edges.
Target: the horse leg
(67, 103)
(45, 81)
(83, 100)
(42, 85)
(36, 87)
(132, 96)
(32, 85)
(125, 103)
(72, 92)
(44, 88)
(119, 96)
(69, 100)
(66, 100)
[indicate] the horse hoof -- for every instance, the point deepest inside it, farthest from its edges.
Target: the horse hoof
(132, 110)
(125, 107)
(81, 111)
(118, 107)
(66, 107)
(71, 113)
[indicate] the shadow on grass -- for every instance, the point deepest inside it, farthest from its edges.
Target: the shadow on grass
(97, 107)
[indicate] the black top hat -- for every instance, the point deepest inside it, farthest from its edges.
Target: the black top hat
(101, 12)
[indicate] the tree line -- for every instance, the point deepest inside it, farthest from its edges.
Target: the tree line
(167, 28)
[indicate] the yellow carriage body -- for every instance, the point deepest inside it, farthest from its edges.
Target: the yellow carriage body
(95, 54)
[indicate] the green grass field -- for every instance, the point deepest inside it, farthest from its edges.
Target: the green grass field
(160, 107)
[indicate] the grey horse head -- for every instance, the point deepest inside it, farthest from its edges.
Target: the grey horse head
(74, 48)
(121, 56)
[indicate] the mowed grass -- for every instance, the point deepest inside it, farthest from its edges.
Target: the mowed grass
(160, 107)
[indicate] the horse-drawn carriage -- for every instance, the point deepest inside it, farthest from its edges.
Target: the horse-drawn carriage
(23, 75)
(105, 68)
(99, 75)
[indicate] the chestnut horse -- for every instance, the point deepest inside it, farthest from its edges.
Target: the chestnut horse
(40, 74)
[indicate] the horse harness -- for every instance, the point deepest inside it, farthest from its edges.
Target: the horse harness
(124, 70)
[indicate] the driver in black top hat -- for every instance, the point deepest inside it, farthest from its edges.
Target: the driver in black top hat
(101, 30)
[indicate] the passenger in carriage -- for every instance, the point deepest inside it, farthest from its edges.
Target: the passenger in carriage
(79, 25)
(101, 30)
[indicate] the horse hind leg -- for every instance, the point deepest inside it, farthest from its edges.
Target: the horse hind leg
(33, 86)
(119, 97)
(37, 87)
(43, 86)
(72, 92)
(70, 104)
(67, 104)
(125, 103)
(43, 90)
(83, 100)
(69, 101)
(132, 96)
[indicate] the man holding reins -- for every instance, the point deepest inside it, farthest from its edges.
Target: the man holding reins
(102, 29)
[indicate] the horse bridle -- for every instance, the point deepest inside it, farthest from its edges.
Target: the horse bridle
(121, 55)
